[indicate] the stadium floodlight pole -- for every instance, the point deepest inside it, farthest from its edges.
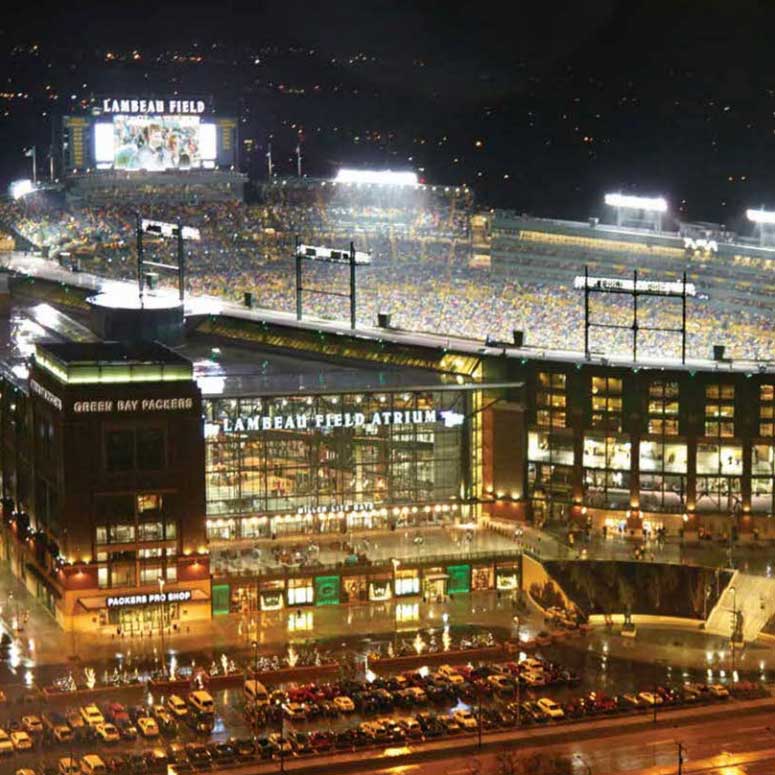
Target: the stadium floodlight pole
(140, 268)
(269, 159)
(352, 286)
(586, 311)
(299, 291)
(298, 159)
(635, 316)
(181, 264)
(683, 322)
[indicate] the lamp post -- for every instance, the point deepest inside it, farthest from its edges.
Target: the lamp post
(282, 738)
(657, 663)
(733, 590)
(161, 626)
(255, 693)
(517, 624)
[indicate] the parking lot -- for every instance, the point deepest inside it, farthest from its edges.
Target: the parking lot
(380, 709)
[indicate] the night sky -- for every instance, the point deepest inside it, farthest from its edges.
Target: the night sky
(539, 106)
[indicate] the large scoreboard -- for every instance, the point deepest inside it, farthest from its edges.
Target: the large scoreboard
(148, 134)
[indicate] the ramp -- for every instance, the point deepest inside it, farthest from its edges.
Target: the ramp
(753, 596)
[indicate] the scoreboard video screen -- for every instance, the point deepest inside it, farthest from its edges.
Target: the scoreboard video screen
(151, 135)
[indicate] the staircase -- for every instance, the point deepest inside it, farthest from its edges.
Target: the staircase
(753, 596)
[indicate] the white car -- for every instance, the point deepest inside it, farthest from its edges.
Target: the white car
(344, 704)
(719, 691)
(148, 726)
(452, 675)
(107, 733)
(177, 706)
(550, 708)
(32, 724)
(531, 678)
(6, 746)
(91, 715)
(68, 766)
(21, 740)
(465, 718)
(649, 698)
(500, 683)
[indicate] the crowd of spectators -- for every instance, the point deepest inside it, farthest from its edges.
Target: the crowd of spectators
(420, 242)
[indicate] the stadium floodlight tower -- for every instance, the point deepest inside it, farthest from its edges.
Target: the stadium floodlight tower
(764, 221)
(377, 177)
(164, 230)
(351, 257)
(638, 210)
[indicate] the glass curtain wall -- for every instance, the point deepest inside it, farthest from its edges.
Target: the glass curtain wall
(299, 473)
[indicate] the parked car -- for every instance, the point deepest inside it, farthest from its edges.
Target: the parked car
(550, 708)
(177, 706)
(107, 732)
(344, 704)
(198, 755)
(465, 719)
(147, 726)
(21, 740)
(91, 715)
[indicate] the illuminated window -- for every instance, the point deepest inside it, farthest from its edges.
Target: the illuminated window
(720, 410)
(551, 400)
(663, 408)
(606, 403)
(767, 410)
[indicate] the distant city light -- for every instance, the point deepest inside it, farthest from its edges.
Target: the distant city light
(655, 204)
(20, 188)
(377, 177)
(760, 216)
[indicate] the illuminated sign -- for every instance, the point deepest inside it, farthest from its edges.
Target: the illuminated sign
(150, 598)
(332, 420)
(138, 106)
(168, 229)
(133, 405)
(642, 286)
(45, 394)
(701, 245)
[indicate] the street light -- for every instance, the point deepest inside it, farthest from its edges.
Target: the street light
(161, 627)
(255, 688)
(733, 590)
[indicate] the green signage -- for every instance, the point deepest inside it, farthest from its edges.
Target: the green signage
(221, 599)
(459, 579)
(327, 590)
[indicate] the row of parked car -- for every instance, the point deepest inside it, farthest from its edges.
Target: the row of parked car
(412, 688)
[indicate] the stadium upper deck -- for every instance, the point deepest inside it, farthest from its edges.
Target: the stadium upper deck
(439, 265)
(460, 353)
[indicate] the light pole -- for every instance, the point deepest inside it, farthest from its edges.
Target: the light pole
(255, 688)
(161, 626)
(733, 590)
(517, 624)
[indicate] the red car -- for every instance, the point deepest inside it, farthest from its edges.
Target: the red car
(320, 741)
(115, 711)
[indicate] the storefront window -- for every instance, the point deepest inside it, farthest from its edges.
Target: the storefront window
(407, 585)
(300, 592)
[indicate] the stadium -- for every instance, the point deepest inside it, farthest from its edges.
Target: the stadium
(272, 399)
